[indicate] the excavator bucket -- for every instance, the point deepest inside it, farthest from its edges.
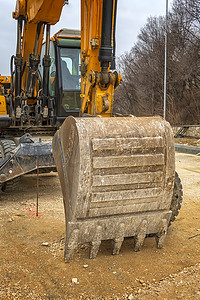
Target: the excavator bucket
(117, 177)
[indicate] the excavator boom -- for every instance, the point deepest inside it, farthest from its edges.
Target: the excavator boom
(32, 16)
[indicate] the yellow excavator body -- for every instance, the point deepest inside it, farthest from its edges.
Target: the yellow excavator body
(4, 85)
(3, 109)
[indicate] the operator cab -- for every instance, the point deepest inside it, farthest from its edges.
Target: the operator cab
(64, 73)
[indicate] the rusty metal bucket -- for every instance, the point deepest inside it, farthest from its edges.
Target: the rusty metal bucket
(117, 177)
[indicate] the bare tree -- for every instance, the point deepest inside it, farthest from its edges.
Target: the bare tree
(141, 92)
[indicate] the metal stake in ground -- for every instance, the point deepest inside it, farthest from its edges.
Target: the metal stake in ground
(37, 201)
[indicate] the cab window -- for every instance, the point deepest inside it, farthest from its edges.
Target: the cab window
(71, 76)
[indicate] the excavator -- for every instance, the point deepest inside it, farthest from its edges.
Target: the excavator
(35, 100)
(117, 173)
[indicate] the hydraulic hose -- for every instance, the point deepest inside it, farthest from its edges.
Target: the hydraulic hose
(105, 51)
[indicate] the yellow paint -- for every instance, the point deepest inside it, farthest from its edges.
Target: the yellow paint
(5, 80)
(4, 87)
(46, 11)
(3, 109)
(93, 94)
(28, 47)
(19, 9)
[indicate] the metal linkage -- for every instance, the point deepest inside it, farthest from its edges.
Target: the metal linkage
(34, 60)
(18, 60)
(46, 65)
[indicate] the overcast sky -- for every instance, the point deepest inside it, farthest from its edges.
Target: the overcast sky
(132, 15)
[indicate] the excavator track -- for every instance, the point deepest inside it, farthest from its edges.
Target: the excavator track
(176, 198)
(117, 178)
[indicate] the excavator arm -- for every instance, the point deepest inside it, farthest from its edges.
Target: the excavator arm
(32, 17)
(98, 20)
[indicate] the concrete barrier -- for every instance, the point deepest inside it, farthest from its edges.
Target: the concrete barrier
(187, 149)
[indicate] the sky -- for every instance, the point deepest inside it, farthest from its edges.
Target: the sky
(132, 15)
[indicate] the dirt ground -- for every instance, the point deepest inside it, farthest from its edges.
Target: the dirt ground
(31, 249)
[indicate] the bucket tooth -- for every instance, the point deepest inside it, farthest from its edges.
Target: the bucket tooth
(161, 235)
(71, 245)
(117, 243)
(140, 236)
(95, 243)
